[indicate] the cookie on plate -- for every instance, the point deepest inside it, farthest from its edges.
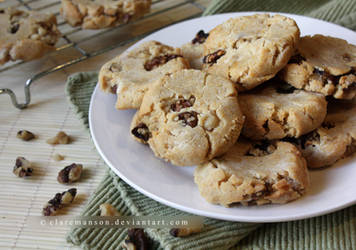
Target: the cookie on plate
(26, 35)
(334, 140)
(249, 50)
(323, 64)
(194, 50)
(189, 117)
(129, 75)
(96, 14)
(254, 173)
(277, 110)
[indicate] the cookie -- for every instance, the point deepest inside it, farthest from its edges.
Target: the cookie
(277, 110)
(194, 50)
(249, 50)
(189, 117)
(26, 35)
(130, 75)
(334, 140)
(323, 64)
(96, 14)
(254, 173)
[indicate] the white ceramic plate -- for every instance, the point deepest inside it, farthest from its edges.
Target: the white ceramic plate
(331, 189)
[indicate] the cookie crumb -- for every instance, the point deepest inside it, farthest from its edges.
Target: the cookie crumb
(22, 167)
(106, 209)
(58, 157)
(25, 135)
(70, 173)
(60, 138)
(60, 199)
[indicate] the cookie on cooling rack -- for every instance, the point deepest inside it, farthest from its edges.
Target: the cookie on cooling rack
(96, 14)
(277, 110)
(254, 173)
(129, 75)
(26, 35)
(334, 140)
(249, 50)
(189, 117)
(323, 64)
(194, 50)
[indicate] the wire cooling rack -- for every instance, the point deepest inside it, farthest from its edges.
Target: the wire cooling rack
(159, 7)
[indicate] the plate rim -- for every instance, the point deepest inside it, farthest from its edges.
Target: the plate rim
(194, 211)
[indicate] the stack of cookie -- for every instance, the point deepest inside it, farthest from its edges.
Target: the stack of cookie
(251, 103)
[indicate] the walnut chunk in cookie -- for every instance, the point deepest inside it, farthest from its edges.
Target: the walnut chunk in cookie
(200, 37)
(60, 200)
(22, 167)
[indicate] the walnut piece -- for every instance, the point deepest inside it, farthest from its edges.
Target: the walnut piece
(70, 173)
(200, 37)
(158, 61)
(60, 199)
(213, 57)
(22, 167)
(107, 209)
(58, 157)
(25, 135)
(184, 232)
(60, 138)
(136, 240)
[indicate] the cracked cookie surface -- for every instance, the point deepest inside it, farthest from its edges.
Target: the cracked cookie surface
(26, 35)
(334, 140)
(189, 117)
(323, 64)
(250, 50)
(98, 14)
(277, 110)
(130, 75)
(254, 173)
(194, 50)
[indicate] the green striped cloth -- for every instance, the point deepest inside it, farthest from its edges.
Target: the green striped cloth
(333, 231)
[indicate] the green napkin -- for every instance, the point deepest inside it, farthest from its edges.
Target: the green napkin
(333, 231)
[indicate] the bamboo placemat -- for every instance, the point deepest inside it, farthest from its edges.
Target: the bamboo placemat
(22, 199)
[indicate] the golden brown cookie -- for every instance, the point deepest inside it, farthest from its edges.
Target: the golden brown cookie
(325, 65)
(254, 173)
(250, 50)
(189, 117)
(334, 140)
(26, 35)
(277, 110)
(98, 14)
(130, 75)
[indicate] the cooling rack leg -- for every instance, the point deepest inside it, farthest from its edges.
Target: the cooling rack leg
(14, 98)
